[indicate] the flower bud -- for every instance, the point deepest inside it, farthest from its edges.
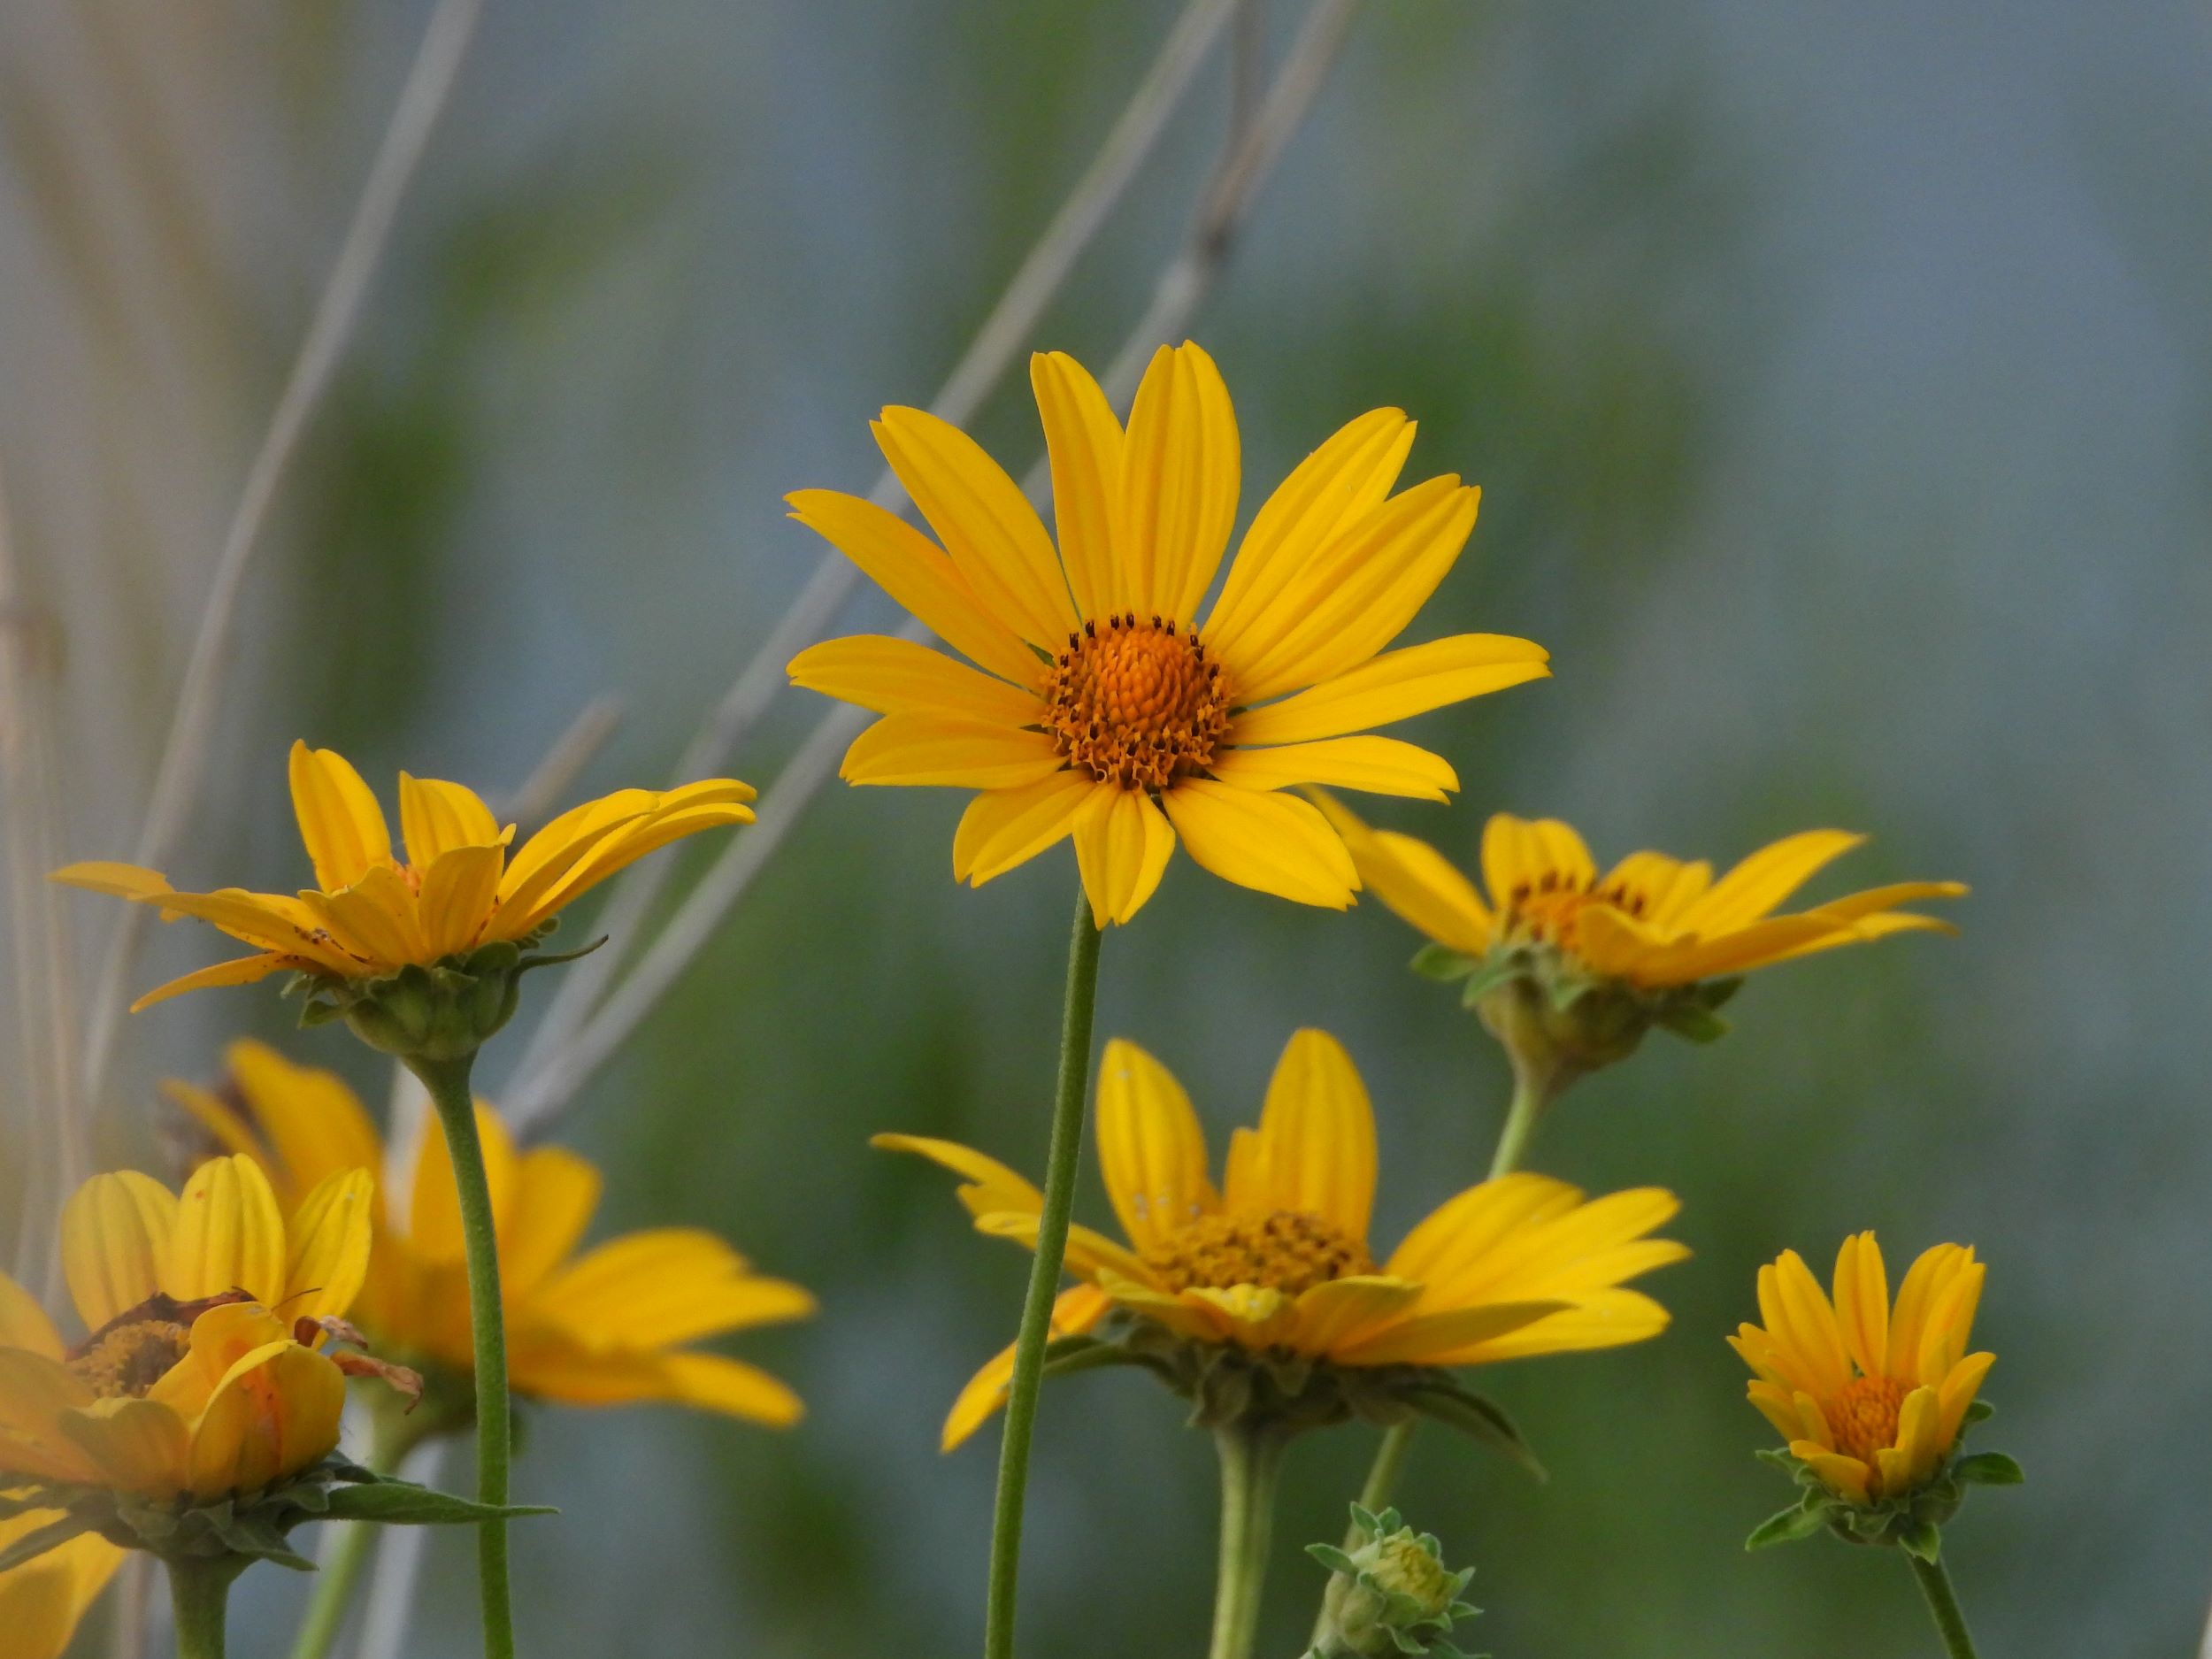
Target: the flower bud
(1391, 1594)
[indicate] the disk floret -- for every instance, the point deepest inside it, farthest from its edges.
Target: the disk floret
(1137, 703)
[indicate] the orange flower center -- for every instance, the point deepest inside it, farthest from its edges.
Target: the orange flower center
(1548, 910)
(1289, 1250)
(127, 1360)
(1135, 703)
(1863, 1417)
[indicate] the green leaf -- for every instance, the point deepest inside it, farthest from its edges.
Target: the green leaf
(1476, 1418)
(1987, 1469)
(1799, 1520)
(1922, 1540)
(402, 1503)
(32, 1545)
(1442, 963)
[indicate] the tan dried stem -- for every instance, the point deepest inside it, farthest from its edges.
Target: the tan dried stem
(575, 1050)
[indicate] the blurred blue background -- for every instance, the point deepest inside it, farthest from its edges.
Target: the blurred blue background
(1837, 376)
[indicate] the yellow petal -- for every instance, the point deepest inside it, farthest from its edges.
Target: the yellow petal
(1845, 1476)
(436, 818)
(1090, 1254)
(1341, 482)
(1122, 852)
(338, 818)
(928, 749)
(1002, 828)
(316, 1125)
(223, 1336)
(1862, 1302)
(1271, 842)
(118, 881)
(904, 563)
(1361, 591)
(378, 920)
(42, 1602)
(1741, 950)
(556, 1192)
(990, 1186)
(1380, 765)
(1077, 1310)
(229, 1235)
(1957, 1393)
(1658, 889)
(24, 1324)
(1397, 686)
(1179, 477)
(1420, 1339)
(1150, 1148)
(985, 523)
(139, 1446)
(1085, 443)
(895, 676)
(115, 1236)
(1950, 1324)
(329, 1254)
(1612, 1319)
(667, 1286)
(1315, 1151)
(276, 923)
(1333, 1316)
(1528, 856)
(35, 1393)
(1462, 1238)
(1799, 1317)
(459, 893)
(1765, 878)
(712, 1382)
(678, 814)
(1414, 880)
(275, 1414)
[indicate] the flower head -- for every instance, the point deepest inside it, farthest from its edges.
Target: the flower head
(190, 1384)
(372, 914)
(42, 1601)
(1274, 1266)
(1389, 1592)
(1871, 1395)
(609, 1326)
(1100, 706)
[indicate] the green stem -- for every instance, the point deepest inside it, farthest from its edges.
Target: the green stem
(339, 1569)
(1044, 1281)
(1943, 1605)
(1251, 1460)
(448, 1081)
(199, 1589)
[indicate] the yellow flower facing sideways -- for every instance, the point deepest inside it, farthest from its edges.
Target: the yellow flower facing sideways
(189, 1383)
(42, 1601)
(1870, 1394)
(371, 912)
(1652, 922)
(1276, 1258)
(605, 1327)
(1100, 705)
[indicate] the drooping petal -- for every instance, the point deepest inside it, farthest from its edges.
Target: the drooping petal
(1002, 828)
(1379, 765)
(1085, 443)
(1341, 481)
(1180, 475)
(986, 525)
(328, 1246)
(1414, 880)
(893, 676)
(115, 1236)
(220, 1338)
(237, 971)
(1122, 852)
(1316, 1148)
(435, 819)
(929, 748)
(276, 1413)
(910, 568)
(1397, 686)
(274, 921)
(1267, 842)
(1151, 1149)
(229, 1235)
(338, 818)
(1077, 1311)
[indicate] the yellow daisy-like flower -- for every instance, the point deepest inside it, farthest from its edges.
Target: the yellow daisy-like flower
(372, 913)
(1871, 1395)
(190, 1383)
(1653, 922)
(1276, 1258)
(42, 1601)
(1100, 706)
(609, 1326)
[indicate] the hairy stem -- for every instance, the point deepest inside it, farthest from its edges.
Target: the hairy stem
(199, 1590)
(1251, 1460)
(1943, 1607)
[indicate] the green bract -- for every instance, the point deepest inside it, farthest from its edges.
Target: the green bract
(1391, 1593)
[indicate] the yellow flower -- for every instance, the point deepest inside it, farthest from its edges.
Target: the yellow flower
(1653, 922)
(190, 1383)
(606, 1327)
(1104, 709)
(370, 913)
(1277, 1259)
(42, 1601)
(1871, 1396)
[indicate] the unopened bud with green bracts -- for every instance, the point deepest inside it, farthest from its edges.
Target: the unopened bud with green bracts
(1391, 1593)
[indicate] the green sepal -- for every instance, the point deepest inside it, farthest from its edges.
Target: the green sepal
(31, 1545)
(1924, 1540)
(402, 1503)
(1443, 963)
(1697, 1023)
(1475, 1416)
(1493, 973)
(1979, 1411)
(1067, 1356)
(1335, 1559)
(1786, 1526)
(1988, 1469)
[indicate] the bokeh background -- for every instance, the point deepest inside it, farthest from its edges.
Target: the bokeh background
(1837, 374)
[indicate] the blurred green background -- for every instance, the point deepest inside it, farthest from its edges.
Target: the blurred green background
(1837, 376)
